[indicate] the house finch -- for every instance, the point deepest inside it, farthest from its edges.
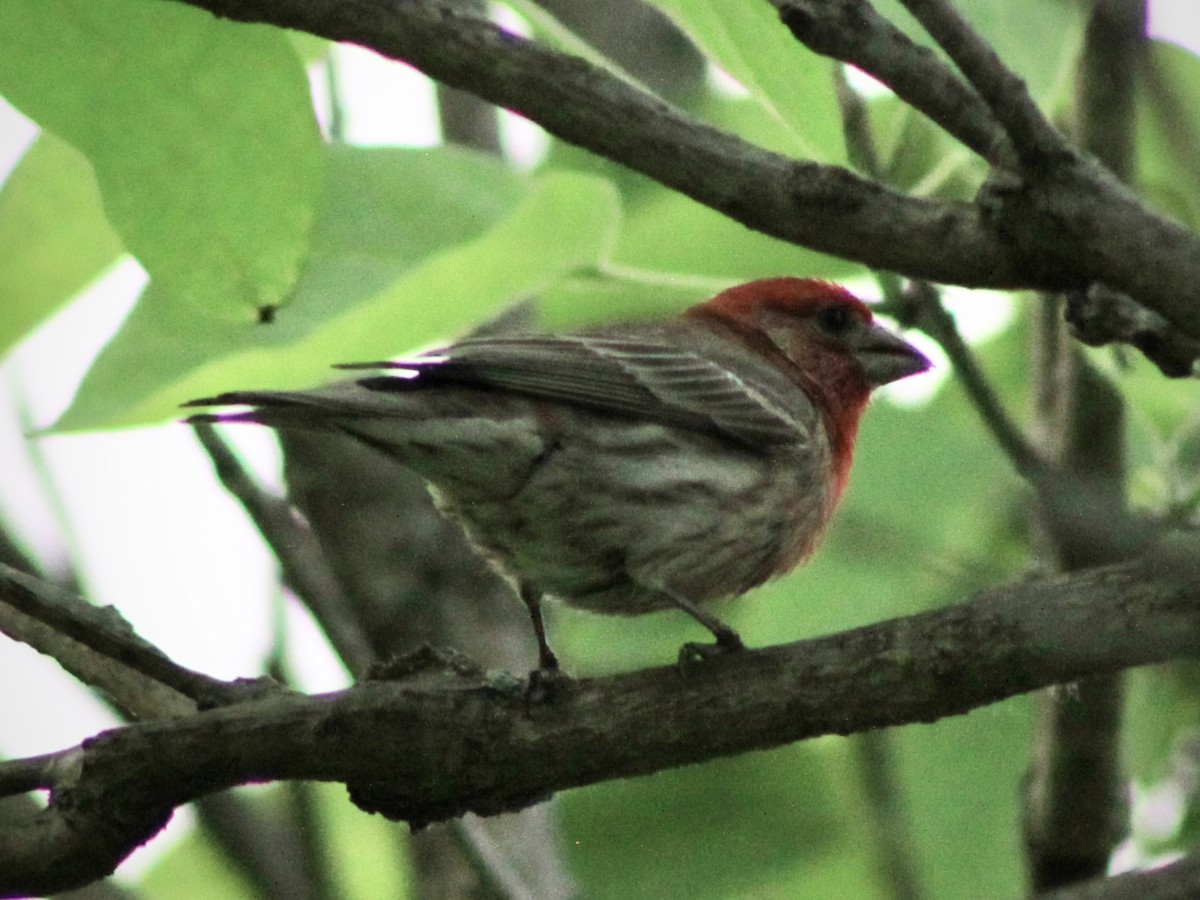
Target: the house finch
(632, 467)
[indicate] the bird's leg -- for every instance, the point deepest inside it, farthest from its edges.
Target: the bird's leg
(727, 638)
(547, 681)
(547, 661)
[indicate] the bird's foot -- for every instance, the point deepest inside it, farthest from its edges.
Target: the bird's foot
(728, 641)
(546, 684)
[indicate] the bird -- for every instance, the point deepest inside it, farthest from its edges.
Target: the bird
(629, 467)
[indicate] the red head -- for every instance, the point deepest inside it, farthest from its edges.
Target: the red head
(825, 339)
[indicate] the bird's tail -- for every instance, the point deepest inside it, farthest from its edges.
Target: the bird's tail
(316, 408)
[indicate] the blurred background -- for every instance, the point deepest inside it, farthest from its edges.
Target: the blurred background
(436, 218)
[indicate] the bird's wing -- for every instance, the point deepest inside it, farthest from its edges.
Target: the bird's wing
(639, 377)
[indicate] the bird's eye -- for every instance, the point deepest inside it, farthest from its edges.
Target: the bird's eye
(835, 320)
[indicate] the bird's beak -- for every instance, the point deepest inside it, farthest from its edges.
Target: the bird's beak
(887, 357)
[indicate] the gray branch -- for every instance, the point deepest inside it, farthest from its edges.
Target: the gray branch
(442, 742)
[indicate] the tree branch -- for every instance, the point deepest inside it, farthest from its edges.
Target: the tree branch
(100, 648)
(1034, 138)
(853, 32)
(1073, 225)
(1076, 811)
(443, 742)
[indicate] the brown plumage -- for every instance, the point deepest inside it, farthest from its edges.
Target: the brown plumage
(631, 467)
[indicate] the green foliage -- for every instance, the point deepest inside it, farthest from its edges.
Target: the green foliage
(748, 41)
(200, 132)
(191, 143)
(54, 238)
(405, 256)
(729, 828)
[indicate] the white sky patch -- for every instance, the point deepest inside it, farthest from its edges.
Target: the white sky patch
(509, 19)
(137, 512)
(384, 102)
(16, 134)
(39, 378)
(1175, 21)
(311, 660)
(979, 314)
(866, 85)
(524, 143)
(322, 98)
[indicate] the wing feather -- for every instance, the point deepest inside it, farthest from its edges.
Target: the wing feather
(631, 376)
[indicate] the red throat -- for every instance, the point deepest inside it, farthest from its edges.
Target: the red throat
(842, 436)
(840, 391)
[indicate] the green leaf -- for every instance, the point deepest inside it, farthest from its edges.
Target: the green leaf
(54, 238)
(670, 232)
(200, 131)
(749, 42)
(773, 816)
(390, 276)
(962, 781)
(918, 157)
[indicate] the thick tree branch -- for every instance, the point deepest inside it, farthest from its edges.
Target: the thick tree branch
(1072, 225)
(442, 742)
(1075, 806)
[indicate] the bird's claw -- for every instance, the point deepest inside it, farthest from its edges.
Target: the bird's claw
(692, 653)
(546, 685)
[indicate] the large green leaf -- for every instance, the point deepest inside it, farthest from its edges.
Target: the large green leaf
(774, 817)
(200, 131)
(749, 42)
(669, 232)
(388, 275)
(962, 781)
(54, 238)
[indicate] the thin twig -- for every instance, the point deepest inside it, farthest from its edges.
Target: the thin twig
(920, 304)
(853, 32)
(856, 126)
(33, 773)
(102, 649)
(263, 843)
(935, 320)
(1033, 137)
(895, 855)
